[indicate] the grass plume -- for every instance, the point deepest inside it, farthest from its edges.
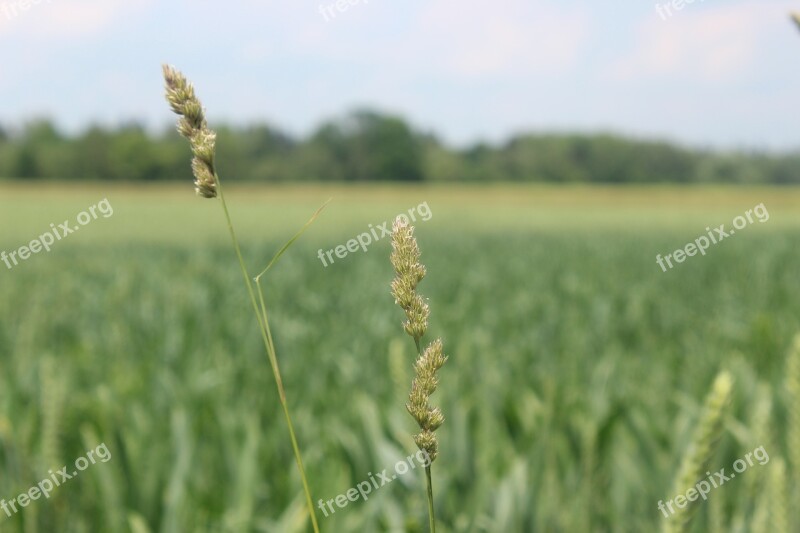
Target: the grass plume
(405, 259)
(192, 125)
(792, 385)
(701, 449)
(795, 16)
(777, 490)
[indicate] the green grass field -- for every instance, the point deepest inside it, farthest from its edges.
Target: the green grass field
(577, 367)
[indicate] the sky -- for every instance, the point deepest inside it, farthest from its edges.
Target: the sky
(715, 73)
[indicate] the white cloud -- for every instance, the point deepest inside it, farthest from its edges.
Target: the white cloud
(64, 18)
(518, 37)
(462, 38)
(711, 43)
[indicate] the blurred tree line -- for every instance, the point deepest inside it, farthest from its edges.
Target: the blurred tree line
(367, 145)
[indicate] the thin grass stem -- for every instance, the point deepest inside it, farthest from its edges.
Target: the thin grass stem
(273, 361)
(268, 344)
(431, 518)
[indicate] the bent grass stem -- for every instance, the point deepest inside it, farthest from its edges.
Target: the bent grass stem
(266, 334)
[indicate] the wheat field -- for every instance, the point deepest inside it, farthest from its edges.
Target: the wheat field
(577, 366)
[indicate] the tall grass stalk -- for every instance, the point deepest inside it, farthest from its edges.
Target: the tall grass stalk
(792, 389)
(405, 259)
(701, 450)
(180, 95)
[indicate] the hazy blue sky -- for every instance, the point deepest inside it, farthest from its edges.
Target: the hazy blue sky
(717, 72)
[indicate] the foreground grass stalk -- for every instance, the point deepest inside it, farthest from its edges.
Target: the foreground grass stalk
(266, 334)
(792, 388)
(409, 272)
(273, 361)
(431, 516)
(181, 97)
(701, 450)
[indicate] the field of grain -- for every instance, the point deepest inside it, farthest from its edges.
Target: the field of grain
(577, 367)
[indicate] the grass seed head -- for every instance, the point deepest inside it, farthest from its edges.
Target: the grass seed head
(409, 272)
(792, 385)
(424, 384)
(777, 491)
(701, 449)
(193, 126)
(405, 259)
